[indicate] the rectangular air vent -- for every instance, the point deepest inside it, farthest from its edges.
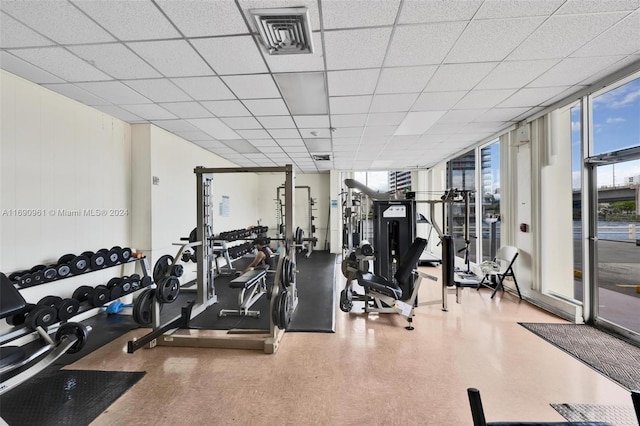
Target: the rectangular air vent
(321, 157)
(284, 31)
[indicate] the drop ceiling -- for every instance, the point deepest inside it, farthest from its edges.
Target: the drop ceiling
(399, 83)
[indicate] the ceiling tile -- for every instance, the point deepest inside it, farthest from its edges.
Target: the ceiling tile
(183, 61)
(349, 104)
(501, 114)
(461, 116)
(115, 60)
(348, 132)
(513, 75)
(186, 109)
(491, 40)
(393, 103)
(194, 136)
(404, 80)
(311, 121)
(58, 20)
(559, 36)
(14, 34)
(296, 149)
(215, 127)
(241, 146)
(378, 131)
(149, 111)
(621, 39)
(484, 98)
(516, 8)
(284, 133)
(119, 113)
(318, 145)
(593, 6)
(226, 108)
(158, 90)
(315, 133)
(352, 82)
(242, 123)
(348, 120)
(530, 97)
(344, 49)
(351, 142)
(385, 119)
(222, 53)
(459, 76)
(437, 101)
(408, 44)
(129, 20)
(263, 142)
(115, 92)
(195, 18)
(74, 92)
(628, 60)
(61, 63)
(358, 13)
(259, 107)
(175, 126)
(277, 122)
(252, 86)
(254, 134)
(572, 71)
(204, 88)
(298, 63)
(290, 142)
(417, 11)
(26, 70)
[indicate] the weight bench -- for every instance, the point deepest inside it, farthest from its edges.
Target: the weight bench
(70, 338)
(253, 284)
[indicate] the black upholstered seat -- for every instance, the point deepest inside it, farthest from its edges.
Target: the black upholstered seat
(403, 274)
(11, 301)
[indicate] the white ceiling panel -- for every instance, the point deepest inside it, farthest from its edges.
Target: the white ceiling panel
(491, 40)
(418, 11)
(290, 142)
(242, 123)
(404, 80)
(315, 133)
(385, 119)
(277, 122)
(197, 136)
(501, 114)
(530, 97)
(559, 36)
(593, 6)
(393, 103)
(621, 39)
(195, 18)
(628, 60)
(158, 90)
(222, 54)
(58, 20)
(349, 104)
(352, 142)
(493, 9)
(74, 92)
(115, 92)
(352, 82)
(344, 49)
(259, 107)
(177, 126)
(512, 75)
(14, 34)
(312, 121)
(231, 108)
(119, 113)
(182, 62)
(359, 13)
(459, 76)
(298, 63)
(186, 109)
(204, 88)
(484, 98)
(422, 44)
(149, 111)
(129, 20)
(437, 101)
(263, 142)
(61, 63)
(252, 86)
(254, 134)
(461, 116)
(343, 149)
(348, 132)
(115, 60)
(284, 133)
(572, 71)
(26, 70)
(348, 120)
(215, 127)
(378, 131)
(318, 145)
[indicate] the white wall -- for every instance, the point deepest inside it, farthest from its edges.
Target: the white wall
(57, 156)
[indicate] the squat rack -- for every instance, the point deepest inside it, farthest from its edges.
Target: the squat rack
(164, 335)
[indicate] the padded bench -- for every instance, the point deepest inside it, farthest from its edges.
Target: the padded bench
(252, 285)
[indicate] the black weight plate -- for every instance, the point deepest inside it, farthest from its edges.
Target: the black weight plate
(143, 307)
(146, 281)
(38, 278)
(16, 275)
(193, 235)
(283, 309)
(135, 285)
(135, 277)
(126, 286)
(177, 270)
(41, 316)
(269, 287)
(26, 280)
(68, 308)
(292, 272)
(75, 329)
(63, 270)
(275, 314)
(66, 258)
(89, 254)
(37, 268)
(81, 294)
(125, 254)
(168, 289)
(103, 250)
(80, 264)
(98, 261)
(115, 292)
(113, 256)
(113, 282)
(100, 296)
(284, 276)
(50, 273)
(161, 268)
(52, 301)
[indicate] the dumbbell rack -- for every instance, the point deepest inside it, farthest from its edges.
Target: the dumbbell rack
(27, 335)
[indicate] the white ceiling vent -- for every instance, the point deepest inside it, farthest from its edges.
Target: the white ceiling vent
(321, 157)
(284, 31)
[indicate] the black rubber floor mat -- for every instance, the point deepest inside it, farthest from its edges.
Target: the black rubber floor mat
(65, 397)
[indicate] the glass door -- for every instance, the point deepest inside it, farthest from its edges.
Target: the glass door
(617, 228)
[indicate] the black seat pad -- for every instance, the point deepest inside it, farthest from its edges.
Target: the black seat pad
(380, 285)
(11, 301)
(248, 278)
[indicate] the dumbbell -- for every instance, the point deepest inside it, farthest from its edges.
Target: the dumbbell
(19, 318)
(95, 296)
(134, 280)
(115, 288)
(41, 316)
(146, 281)
(65, 308)
(98, 260)
(22, 278)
